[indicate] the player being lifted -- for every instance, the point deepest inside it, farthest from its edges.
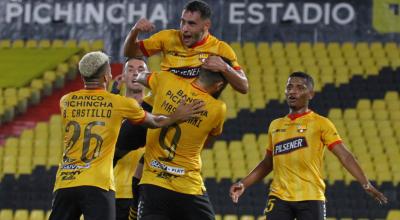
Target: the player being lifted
(186, 49)
(91, 118)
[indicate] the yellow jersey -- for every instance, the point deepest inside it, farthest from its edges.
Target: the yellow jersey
(91, 120)
(172, 157)
(185, 61)
(124, 171)
(296, 143)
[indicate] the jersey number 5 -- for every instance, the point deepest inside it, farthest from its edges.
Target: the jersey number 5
(87, 136)
(174, 142)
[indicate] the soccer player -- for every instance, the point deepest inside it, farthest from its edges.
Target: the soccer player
(188, 49)
(295, 151)
(171, 186)
(92, 118)
(129, 145)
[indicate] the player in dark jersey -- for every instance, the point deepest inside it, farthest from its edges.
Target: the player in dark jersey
(129, 148)
(295, 149)
(91, 118)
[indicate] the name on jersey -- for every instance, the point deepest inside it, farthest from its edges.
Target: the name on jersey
(290, 145)
(88, 106)
(188, 73)
(174, 100)
(170, 169)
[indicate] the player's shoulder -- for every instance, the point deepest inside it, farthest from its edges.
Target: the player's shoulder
(321, 119)
(168, 32)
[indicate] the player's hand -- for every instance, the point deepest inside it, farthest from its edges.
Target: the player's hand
(186, 111)
(236, 190)
(374, 193)
(144, 25)
(214, 64)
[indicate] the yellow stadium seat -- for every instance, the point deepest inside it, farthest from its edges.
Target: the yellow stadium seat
(381, 115)
(37, 215)
(71, 44)
(31, 44)
(350, 114)
(218, 217)
(247, 217)
(18, 44)
(97, 45)
(21, 214)
(57, 44)
(231, 217)
(363, 104)
(365, 114)
(5, 43)
(44, 44)
(6, 214)
(393, 214)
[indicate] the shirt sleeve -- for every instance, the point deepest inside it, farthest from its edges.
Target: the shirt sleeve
(154, 43)
(132, 111)
(218, 129)
(228, 53)
(330, 136)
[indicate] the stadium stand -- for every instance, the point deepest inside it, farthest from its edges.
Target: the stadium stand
(358, 88)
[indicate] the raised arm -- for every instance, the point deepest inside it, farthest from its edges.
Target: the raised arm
(350, 163)
(236, 78)
(256, 175)
(131, 44)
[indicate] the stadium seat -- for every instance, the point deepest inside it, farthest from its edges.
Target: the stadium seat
(21, 214)
(37, 215)
(393, 215)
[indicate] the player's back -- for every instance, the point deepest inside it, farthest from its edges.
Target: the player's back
(91, 120)
(174, 152)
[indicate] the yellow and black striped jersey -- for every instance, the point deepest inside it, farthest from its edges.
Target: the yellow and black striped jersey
(91, 120)
(296, 143)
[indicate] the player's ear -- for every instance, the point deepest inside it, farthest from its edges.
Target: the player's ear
(311, 94)
(207, 24)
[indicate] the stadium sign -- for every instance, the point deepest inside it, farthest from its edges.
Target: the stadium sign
(305, 13)
(119, 13)
(84, 13)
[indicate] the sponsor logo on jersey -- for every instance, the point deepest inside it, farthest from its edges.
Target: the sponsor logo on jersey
(290, 145)
(188, 73)
(170, 169)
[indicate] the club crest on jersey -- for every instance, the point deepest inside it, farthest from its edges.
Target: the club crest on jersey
(301, 128)
(290, 145)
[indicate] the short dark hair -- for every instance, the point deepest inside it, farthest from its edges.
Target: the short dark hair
(99, 73)
(209, 78)
(307, 77)
(200, 6)
(142, 58)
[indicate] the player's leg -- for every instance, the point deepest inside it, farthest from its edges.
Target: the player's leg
(310, 210)
(122, 207)
(97, 203)
(278, 209)
(65, 205)
(154, 203)
(193, 207)
(135, 189)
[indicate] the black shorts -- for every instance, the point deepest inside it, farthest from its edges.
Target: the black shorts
(278, 209)
(122, 207)
(93, 202)
(157, 203)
